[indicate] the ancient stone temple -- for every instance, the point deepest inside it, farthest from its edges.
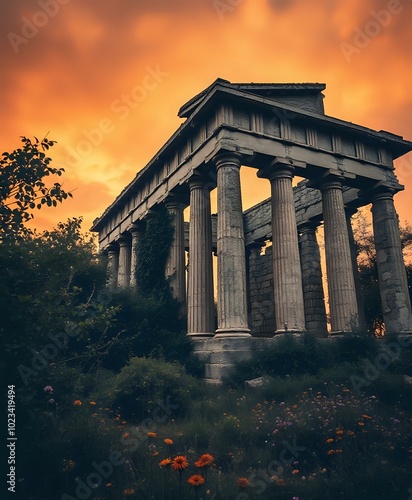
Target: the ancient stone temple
(263, 290)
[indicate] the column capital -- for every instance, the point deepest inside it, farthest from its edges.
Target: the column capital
(330, 181)
(227, 158)
(382, 193)
(124, 240)
(112, 248)
(137, 227)
(308, 227)
(199, 181)
(280, 168)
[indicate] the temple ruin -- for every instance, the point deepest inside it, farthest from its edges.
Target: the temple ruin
(282, 131)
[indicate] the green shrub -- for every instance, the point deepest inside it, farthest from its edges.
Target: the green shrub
(140, 385)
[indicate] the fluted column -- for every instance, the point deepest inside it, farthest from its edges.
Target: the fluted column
(349, 211)
(136, 232)
(125, 255)
(313, 296)
(287, 274)
(175, 267)
(393, 285)
(341, 284)
(232, 306)
(112, 264)
(200, 303)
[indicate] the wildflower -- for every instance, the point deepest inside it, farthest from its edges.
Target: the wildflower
(331, 452)
(324, 470)
(339, 432)
(165, 462)
(351, 433)
(243, 482)
(366, 416)
(205, 460)
(95, 415)
(129, 492)
(48, 389)
(296, 471)
(109, 485)
(155, 453)
(196, 480)
(77, 402)
(152, 434)
(126, 435)
(124, 422)
(295, 498)
(330, 440)
(279, 481)
(92, 402)
(168, 441)
(180, 463)
(361, 424)
(51, 401)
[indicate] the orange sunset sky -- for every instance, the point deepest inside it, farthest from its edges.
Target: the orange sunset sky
(70, 70)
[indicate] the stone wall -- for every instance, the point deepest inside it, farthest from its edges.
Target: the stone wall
(261, 308)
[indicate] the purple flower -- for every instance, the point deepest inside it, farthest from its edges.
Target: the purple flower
(48, 389)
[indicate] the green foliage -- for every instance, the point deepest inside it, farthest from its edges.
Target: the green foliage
(138, 388)
(22, 185)
(152, 254)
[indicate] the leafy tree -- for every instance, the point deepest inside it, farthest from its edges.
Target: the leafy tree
(22, 186)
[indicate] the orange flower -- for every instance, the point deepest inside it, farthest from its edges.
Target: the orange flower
(366, 416)
(243, 482)
(196, 480)
(129, 491)
(152, 434)
(168, 441)
(296, 471)
(280, 482)
(330, 440)
(205, 460)
(126, 435)
(331, 452)
(361, 424)
(165, 462)
(92, 403)
(180, 463)
(339, 432)
(77, 402)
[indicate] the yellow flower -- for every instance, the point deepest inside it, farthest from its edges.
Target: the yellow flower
(77, 402)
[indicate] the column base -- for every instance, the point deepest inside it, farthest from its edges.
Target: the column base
(289, 330)
(200, 335)
(232, 332)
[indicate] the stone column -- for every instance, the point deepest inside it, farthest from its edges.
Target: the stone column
(200, 303)
(393, 285)
(125, 255)
(349, 211)
(136, 231)
(341, 284)
(287, 274)
(313, 296)
(232, 306)
(175, 267)
(112, 264)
